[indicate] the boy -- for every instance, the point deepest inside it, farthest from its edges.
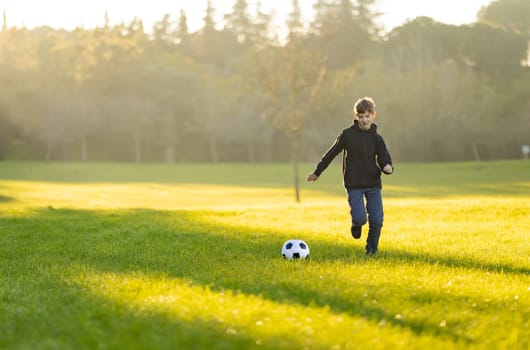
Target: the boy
(365, 156)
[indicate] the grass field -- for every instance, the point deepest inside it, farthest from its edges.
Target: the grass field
(121, 256)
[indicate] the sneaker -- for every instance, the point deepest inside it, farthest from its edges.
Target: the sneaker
(356, 231)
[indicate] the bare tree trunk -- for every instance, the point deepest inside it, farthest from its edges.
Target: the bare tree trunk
(292, 107)
(294, 153)
(84, 152)
(251, 152)
(474, 148)
(214, 152)
(528, 54)
(49, 148)
(137, 151)
(269, 152)
(169, 155)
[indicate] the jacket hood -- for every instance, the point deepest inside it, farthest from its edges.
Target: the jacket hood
(355, 126)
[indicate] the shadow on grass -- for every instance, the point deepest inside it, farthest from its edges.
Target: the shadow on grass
(59, 316)
(5, 199)
(178, 244)
(397, 257)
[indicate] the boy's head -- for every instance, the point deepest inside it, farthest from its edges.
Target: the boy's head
(364, 112)
(364, 105)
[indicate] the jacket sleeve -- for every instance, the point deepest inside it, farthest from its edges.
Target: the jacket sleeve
(331, 153)
(383, 157)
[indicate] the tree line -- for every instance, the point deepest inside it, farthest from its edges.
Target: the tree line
(237, 91)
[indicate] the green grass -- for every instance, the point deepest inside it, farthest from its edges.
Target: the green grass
(125, 256)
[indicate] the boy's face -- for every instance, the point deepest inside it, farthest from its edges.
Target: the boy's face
(366, 120)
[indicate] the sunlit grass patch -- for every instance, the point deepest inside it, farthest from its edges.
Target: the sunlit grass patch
(353, 306)
(139, 195)
(271, 324)
(144, 264)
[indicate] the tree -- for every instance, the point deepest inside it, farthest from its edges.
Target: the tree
(217, 105)
(503, 58)
(183, 36)
(183, 96)
(261, 28)
(209, 21)
(511, 15)
(212, 46)
(4, 21)
(366, 17)
(294, 22)
(290, 77)
(246, 127)
(177, 93)
(344, 32)
(7, 132)
(238, 21)
(421, 43)
(163, 33)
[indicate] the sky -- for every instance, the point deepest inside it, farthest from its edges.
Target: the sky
(70, 14)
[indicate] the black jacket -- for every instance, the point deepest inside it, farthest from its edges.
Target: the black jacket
(364, 156)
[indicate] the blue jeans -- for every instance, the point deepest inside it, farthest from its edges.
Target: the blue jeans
(374, 209)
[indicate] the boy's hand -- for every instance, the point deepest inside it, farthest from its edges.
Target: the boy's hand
(312, 177)
(387, 169)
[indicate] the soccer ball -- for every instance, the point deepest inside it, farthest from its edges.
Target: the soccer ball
(295, 249)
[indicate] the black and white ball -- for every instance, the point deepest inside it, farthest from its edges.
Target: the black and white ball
(295, 249)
